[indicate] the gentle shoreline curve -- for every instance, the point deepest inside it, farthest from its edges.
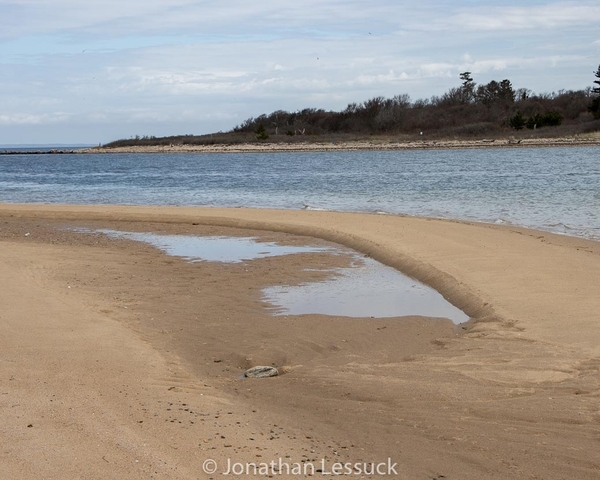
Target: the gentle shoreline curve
(121, 362)
(579, 141)
(381, 237)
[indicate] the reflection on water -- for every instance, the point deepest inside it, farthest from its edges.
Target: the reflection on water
(368, 289)
(213, 249)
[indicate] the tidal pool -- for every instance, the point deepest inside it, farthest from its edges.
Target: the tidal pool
(214, 249)
(367, 289)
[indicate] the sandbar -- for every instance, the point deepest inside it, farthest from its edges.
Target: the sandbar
(315, 145)
(119, 361)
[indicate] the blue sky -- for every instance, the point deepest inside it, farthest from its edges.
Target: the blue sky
(94, 71)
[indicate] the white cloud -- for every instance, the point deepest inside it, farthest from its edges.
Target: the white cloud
(34, 119)
(529, 18)
(234, 17)
(193, 65)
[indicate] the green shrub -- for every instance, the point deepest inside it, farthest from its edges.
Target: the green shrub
(261, 133)
(517, 121)
(548, 119)
(595, 107)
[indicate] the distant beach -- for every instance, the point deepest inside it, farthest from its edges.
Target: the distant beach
(324, 146)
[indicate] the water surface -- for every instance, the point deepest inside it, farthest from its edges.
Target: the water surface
(368, 289)
(555, 189)
(213, 248)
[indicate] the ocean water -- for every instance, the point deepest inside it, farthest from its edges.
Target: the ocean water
(554, 189)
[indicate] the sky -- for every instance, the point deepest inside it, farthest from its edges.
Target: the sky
(74, 71)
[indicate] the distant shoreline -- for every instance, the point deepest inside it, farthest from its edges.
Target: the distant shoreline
(352, 145)
(62, 151)
(322, 146)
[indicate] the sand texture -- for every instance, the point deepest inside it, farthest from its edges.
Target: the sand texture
(118, 361)
(592, 139)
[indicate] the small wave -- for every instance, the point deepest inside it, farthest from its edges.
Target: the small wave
(305, 206)
(560, 225)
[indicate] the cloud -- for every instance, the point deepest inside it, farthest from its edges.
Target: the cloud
(235, 17)
(34, 119)
(186, 63)
(527, 18)
(381, 79)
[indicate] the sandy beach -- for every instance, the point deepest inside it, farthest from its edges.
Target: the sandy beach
(591, 139)
(119, 361)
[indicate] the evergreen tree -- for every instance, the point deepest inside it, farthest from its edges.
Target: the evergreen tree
(261, 132)
(517, 121)
(595, 104)
(467, 90)
(596, 89)
(495, 92)
(467, 79)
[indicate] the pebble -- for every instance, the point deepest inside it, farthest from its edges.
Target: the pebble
(261, 372)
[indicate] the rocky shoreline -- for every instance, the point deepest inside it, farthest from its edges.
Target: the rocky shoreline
(40, 152)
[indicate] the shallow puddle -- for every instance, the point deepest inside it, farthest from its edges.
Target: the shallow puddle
(369, 289)
(214, 249)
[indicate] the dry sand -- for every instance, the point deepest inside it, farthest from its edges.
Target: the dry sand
(591, 139)
(118, 361)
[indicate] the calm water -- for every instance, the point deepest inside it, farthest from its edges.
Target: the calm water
(556, 189)
(367, 289)
(211, 249)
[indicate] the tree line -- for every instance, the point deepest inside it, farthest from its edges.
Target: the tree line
(466, 110)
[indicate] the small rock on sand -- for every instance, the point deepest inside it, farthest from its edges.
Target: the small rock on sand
(261, 372)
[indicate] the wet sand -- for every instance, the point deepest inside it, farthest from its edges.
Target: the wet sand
(121, 362)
